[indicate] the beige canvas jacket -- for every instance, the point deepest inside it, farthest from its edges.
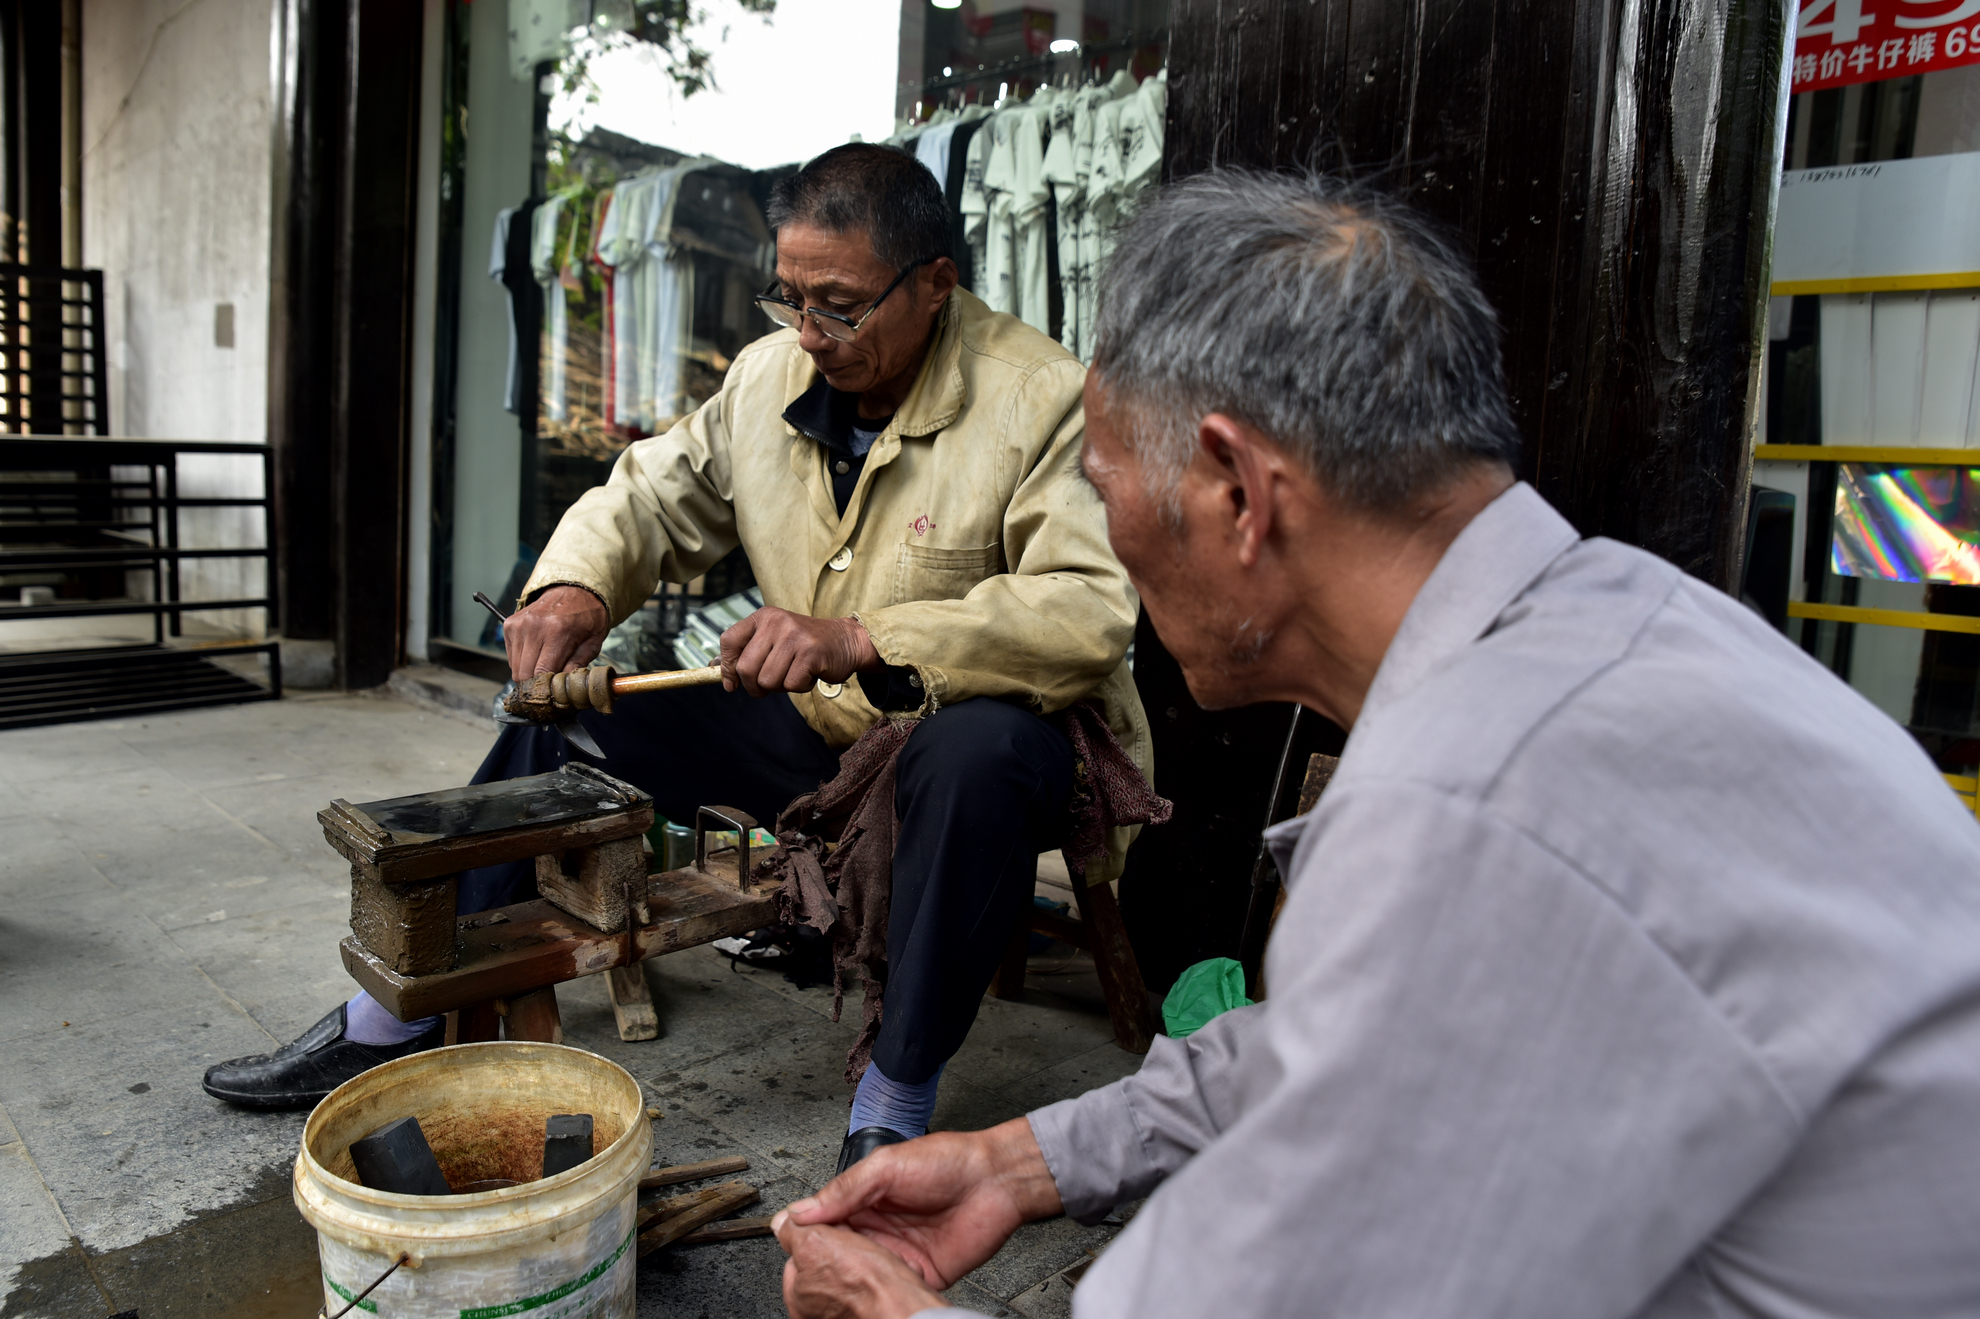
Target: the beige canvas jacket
(972, 551)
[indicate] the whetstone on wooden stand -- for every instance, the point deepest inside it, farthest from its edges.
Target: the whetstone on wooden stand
(598, 909)
(512, 950)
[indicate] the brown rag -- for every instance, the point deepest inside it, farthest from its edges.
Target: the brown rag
(845, 890)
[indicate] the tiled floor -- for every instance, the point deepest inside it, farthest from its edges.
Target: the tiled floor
(166, 900)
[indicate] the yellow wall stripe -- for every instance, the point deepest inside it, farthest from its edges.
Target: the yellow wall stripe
(1865, 453)
(1884, 617)
(1951, 279)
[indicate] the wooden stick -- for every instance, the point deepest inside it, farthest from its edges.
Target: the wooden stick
(632, 684)
(732, 1196)
(735, 1229)
(552, 696)
(656, 1178)
(660, 1210)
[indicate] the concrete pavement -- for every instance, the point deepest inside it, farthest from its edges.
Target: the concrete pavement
(167, 900)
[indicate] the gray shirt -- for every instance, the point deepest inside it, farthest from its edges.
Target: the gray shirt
(1630, 966)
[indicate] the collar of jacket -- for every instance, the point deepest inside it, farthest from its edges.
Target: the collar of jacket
(824, 414)
(934, 401)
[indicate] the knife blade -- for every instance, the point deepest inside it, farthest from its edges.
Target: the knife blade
(573, 731)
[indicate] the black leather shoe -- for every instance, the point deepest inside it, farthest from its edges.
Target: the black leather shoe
(301, 1072)
(863, 1142)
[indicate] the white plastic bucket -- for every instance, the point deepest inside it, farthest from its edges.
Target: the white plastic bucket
(557, 1248)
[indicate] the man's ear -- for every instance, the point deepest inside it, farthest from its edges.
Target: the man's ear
(942, 280)
(1249, 467)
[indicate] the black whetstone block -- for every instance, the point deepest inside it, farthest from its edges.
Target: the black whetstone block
(396, 1157)
(566, 1142)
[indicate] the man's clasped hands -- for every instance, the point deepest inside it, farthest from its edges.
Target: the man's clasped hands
(881, 1240)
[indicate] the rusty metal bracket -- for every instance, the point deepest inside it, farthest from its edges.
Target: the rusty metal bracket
(727, 817)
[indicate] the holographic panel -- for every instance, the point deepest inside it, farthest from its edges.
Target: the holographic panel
(1908, 524)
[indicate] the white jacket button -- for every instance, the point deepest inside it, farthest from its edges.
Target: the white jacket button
(830, 690)
(842, 560)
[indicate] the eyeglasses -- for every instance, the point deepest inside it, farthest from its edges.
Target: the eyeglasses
(843, 328)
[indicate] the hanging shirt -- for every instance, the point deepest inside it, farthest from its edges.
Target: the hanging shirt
(1069, 200)
(1030, 217)
(975, 208)
(1103, 194)
(1086, 107)
(666, 280)
(932, 149)
(543, 268)
(953, 188)
(509, 265)
(498, 261)
(607, 332)
(1142, 117)
(622, 245)
(667, 301)
(999, 271)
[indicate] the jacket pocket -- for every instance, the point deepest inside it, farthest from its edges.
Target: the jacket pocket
(924, 572)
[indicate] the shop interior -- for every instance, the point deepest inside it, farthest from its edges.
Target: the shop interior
(596, 283)
(1885, 364)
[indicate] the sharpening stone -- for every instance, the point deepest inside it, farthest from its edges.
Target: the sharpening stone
(396, 1157)
(566, 1142)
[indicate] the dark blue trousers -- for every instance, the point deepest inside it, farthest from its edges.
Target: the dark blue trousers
(981, 789)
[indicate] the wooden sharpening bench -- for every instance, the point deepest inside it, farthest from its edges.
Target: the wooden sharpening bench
(597, 910)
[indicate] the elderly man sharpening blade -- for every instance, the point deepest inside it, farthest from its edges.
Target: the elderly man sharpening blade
(942, 643)
(1631, 962)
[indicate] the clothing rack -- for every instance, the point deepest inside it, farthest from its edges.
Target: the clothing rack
(1011, 69)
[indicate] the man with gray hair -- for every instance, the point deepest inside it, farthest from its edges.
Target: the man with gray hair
(1631, 963)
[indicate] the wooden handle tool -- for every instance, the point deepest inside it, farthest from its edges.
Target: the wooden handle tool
(551, 696)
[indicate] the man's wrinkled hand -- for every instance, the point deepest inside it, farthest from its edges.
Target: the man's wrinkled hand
(774, 650)
(561, 629)
(835, 1273)
(942, 1203)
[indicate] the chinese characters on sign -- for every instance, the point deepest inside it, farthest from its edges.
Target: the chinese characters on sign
(1839, 42)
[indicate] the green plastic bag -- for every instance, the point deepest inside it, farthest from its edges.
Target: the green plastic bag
(1200, 993)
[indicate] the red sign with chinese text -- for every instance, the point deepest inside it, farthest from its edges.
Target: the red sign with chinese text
(1840, 42)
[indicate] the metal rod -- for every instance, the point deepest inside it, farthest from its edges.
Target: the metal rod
(359, 1298)
(1264, 879)
(1006, 69)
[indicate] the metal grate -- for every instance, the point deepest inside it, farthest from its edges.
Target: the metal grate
(53, 373)
(91, 518)
(65, 687)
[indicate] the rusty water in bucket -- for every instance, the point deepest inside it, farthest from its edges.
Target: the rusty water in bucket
(558, 1247)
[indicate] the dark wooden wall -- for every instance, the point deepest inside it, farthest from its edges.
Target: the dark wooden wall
(301, 298)
(1612, 166)
(340, 340)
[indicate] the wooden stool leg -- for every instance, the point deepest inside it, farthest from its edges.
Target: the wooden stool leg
(474, 1024)
(632, 1003)
(534, 1016)
(1120, 974)
(1009, 980)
